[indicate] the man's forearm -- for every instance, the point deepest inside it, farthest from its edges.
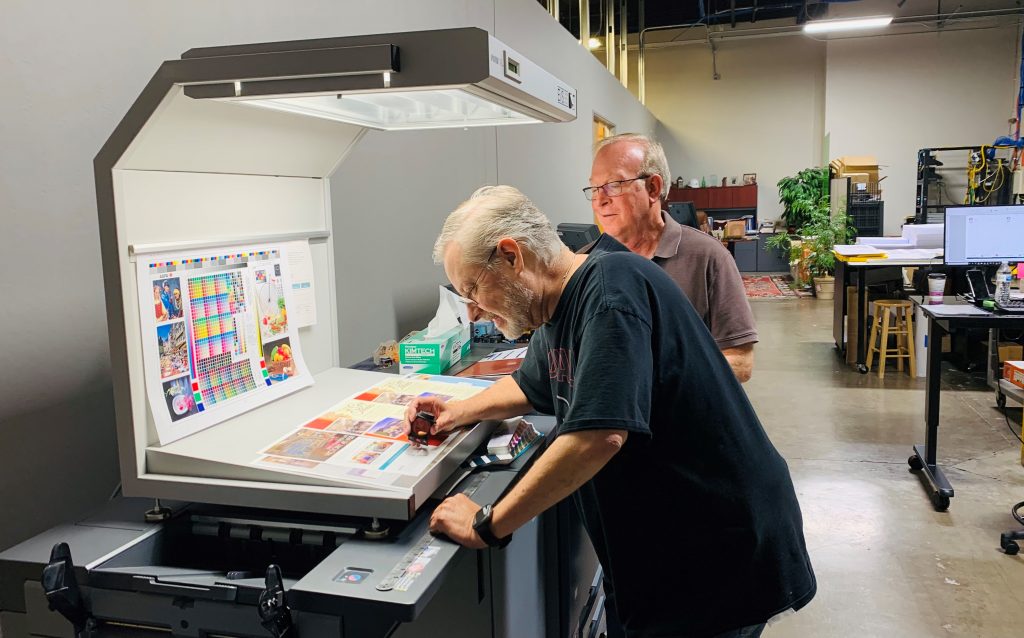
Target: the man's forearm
(569, 462)
(502, 400)
(741, 360)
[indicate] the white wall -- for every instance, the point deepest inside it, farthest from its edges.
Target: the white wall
(764, 116)
(71, 70)
(890, 96)
(886, 96)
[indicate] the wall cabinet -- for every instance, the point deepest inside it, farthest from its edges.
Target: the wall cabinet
(717, 197)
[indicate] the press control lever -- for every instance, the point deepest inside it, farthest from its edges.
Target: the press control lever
(274, 614)
(62, 591)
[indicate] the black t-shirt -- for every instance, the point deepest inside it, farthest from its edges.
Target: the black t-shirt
(695, 520)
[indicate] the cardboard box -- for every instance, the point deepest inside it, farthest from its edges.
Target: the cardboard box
(417, 353)
(852, 329)
(1010, 351)
(861, 169)
(1013, 371)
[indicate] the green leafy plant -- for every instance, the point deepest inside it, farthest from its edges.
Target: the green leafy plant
(821, 233)
(800, 195)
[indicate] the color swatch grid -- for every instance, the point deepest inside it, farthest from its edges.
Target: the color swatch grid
(235, 259)
(214, 300)
(225, 383)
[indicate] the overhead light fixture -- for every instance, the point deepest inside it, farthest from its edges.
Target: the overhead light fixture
(850, 24)
(594, 43)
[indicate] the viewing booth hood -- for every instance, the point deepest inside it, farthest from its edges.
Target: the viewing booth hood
(234, 145)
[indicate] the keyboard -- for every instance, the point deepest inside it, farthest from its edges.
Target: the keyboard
(1013, 306)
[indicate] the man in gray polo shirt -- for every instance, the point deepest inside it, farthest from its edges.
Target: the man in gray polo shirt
(629, 179)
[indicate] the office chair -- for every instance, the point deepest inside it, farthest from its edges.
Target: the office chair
(1008, 540)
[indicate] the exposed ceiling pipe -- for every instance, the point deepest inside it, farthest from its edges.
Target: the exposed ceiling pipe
(786, 31)
(704, 19)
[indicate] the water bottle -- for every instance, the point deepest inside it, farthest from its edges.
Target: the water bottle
(1004, 276)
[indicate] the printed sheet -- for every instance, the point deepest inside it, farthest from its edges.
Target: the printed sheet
(217, 340)
(360, 440)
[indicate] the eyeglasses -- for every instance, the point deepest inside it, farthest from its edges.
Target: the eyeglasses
(611, 189)
(471, 291)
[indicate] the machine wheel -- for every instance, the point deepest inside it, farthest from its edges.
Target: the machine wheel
(915, 463)
(940, 502)
(1000, 400)
(1011, 548)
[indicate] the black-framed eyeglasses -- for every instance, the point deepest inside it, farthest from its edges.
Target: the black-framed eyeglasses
(610, 189)
(471, 291)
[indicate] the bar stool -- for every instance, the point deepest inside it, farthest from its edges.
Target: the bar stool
(893, 317)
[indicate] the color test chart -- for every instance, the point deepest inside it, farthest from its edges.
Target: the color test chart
(239, 350)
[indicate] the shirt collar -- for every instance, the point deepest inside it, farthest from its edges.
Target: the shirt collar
(671, 235)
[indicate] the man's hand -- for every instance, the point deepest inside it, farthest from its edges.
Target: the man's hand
(454, 518)
(444, 414)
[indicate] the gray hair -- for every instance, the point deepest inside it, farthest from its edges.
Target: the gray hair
(653, 163)
(491, 214)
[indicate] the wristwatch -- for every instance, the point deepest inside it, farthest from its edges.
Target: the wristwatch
(482, 526)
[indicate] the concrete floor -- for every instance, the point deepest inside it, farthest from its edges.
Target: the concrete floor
(887, 563)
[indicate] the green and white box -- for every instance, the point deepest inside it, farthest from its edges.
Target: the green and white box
(433, 355)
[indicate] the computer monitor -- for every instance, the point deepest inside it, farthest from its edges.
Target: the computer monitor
(983, 235)
(684, 212)
(576, 236)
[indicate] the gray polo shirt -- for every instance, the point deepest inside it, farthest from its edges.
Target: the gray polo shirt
(707, 273)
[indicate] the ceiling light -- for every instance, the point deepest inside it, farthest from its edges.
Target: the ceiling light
(594, 43)
(827, 26)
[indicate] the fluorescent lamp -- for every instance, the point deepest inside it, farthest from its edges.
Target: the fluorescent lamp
(401, 110)
(853, 24)
(594, 43)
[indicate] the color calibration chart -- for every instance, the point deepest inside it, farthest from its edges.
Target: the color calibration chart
(216, 338)
(362, 440)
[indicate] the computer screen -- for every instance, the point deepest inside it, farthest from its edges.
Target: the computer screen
(577, 236)
(984, 235)
(684, 212)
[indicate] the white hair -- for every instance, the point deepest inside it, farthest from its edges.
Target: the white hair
(653, 163)
(491, 214)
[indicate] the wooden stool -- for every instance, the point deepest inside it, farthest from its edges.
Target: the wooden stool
(902, 328)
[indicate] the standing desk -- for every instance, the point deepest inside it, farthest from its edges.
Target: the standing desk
(942, 319)
(844, 272)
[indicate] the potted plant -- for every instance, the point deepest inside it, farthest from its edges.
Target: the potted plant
(793, 248)
(800, 195)
(821, 234)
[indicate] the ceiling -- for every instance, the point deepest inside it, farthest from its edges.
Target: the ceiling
(738, 13)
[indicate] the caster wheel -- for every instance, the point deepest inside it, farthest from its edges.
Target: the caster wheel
(861, 368)
(940, 502)
(1009, 545)
(915, 463)
(1001, 401)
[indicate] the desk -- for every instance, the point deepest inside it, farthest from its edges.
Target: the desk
(924, 458)
(844, 270)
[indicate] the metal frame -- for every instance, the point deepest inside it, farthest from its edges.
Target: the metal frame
(442, 58)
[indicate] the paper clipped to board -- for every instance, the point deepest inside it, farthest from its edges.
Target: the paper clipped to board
(217, 334)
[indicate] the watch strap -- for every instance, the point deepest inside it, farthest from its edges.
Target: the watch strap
(482, 526)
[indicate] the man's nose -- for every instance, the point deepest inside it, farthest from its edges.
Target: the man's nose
(474, 312)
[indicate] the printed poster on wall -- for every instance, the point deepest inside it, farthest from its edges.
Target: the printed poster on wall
(217, 340)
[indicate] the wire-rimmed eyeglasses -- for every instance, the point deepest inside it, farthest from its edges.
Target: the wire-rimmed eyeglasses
(610, 189)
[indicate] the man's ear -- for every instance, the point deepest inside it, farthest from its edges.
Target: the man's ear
(510, 252)
(654, 185)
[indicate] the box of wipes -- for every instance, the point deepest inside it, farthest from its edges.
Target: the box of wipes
(443, 344)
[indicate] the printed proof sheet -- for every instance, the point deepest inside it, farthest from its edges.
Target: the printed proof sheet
(216, 338)
(360, 440)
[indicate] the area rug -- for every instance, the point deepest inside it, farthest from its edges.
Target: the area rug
(768, 287)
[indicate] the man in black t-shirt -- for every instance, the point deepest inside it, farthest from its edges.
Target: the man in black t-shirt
(689, 506)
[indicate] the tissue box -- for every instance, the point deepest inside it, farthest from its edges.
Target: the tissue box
(433, 355)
